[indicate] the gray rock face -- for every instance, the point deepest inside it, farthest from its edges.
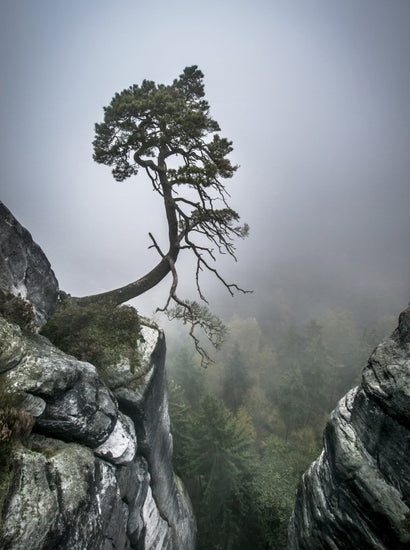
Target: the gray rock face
(58, 489)
(24, 269)
(96, 473)
(85, 479)
(357, 493)
(150, 416)
(78, 407)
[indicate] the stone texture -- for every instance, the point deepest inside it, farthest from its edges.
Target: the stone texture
(145, 512)
(121, 445)
(96, 473)
(24, 269)
(357, 493)
(148, 407)
(386, 379)
(78, 406)
(63, 497)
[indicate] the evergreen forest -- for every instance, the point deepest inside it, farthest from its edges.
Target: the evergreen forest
(247, 427)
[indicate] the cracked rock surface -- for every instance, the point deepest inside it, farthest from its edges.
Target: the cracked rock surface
(96, 472)
(357, 493)
(24, 268)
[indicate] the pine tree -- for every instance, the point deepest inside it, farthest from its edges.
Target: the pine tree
(236, 380)
(221, 460)
(166, 132)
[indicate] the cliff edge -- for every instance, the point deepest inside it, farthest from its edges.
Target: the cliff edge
(357, 493)
(95, 472)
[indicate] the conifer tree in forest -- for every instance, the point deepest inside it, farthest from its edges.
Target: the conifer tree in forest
(221, 458)
(236, 380)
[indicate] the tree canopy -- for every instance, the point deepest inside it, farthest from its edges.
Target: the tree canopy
(167, 131)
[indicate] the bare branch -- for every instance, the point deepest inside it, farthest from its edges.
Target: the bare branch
(197, 316)
(155, 245)
(201, 261)
(154, 180)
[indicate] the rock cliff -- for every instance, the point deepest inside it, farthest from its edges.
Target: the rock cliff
(24, 269)
(96, 472)
(356, 495)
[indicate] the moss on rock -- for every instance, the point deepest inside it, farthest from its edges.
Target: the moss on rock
(17, 310)
(102, 334)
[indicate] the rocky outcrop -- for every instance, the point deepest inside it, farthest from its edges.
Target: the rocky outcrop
(24, 269)
(96, 471)
(357, 493)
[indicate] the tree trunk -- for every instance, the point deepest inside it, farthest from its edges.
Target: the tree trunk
(132, 290)
(160, 271)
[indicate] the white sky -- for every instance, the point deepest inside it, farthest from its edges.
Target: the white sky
(313, 93)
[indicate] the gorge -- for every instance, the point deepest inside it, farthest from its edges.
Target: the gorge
(91, 465)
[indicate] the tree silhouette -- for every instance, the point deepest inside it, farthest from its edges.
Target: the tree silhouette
(153, 127)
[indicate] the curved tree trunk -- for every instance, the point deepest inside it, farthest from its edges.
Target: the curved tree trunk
(160, 271)
(132, 290)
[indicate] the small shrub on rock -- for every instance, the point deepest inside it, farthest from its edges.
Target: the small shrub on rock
(99, 333)
(15, 425)
(17, 310)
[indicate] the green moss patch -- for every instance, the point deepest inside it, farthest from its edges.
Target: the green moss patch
(100, 333)
(15, 427)
(17, 310)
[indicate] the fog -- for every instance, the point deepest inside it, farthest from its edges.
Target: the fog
(315, 97)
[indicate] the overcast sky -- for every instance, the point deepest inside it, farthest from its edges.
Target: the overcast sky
(313, 93)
